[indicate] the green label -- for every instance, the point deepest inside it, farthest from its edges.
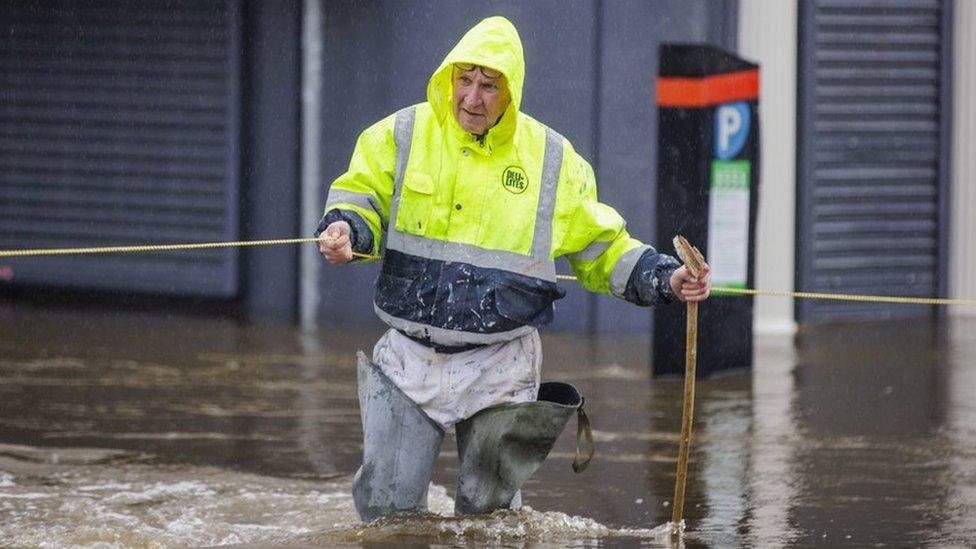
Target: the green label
(731, 174)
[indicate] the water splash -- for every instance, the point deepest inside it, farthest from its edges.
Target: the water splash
(505, 526)
(95, 497)
(82, 502)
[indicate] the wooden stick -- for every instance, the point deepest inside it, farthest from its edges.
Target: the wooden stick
(695, 263)
(687, 414)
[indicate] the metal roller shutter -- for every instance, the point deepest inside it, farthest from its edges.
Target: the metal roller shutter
(119, 124)
(872, 154)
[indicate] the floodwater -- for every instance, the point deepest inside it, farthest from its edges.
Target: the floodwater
(151, 430)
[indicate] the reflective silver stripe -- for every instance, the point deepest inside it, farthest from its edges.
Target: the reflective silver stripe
(591, 252)
(403, 138)
(363, 200)
(551, 164)
(441, 336)
(443, 250)
(623, 268)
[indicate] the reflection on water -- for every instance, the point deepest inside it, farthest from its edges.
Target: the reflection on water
(224, 433)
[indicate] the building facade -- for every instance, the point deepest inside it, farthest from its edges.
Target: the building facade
(130, 123)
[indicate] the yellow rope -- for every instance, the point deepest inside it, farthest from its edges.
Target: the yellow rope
(37, 252)
(150, 247)
(163, 248)
(849, 297)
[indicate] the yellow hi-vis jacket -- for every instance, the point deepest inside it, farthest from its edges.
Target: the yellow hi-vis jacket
(469, 226)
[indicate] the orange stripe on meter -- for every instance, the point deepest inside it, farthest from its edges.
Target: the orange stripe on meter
(710, 90)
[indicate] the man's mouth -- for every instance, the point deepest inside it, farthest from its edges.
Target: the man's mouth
(471, 113)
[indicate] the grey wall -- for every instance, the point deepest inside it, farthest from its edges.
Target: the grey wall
(590, 72)
(270, 157)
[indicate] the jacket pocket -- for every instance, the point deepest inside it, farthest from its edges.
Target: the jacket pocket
(416, 202)
(526, 302)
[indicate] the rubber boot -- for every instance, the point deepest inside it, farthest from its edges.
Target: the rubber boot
(400, 448)
(502, 446)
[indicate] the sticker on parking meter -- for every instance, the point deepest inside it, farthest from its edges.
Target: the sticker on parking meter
(731, 129)
(728, 223)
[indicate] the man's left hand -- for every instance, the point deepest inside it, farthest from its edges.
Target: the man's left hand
(686, 287)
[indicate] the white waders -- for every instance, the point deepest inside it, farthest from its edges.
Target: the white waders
(400, 447)
(499, 447)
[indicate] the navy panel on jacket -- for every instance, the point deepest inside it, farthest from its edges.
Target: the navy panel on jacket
(459, 296)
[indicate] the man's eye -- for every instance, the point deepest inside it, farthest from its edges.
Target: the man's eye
(491, 87)
(465, 80)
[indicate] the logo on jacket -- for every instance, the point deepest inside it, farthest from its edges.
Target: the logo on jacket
(514, 180)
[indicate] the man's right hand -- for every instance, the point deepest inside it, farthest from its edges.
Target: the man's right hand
(334, 243)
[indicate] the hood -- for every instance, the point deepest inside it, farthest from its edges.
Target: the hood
(492, 43)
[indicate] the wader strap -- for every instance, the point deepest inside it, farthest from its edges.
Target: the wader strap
(583, 431)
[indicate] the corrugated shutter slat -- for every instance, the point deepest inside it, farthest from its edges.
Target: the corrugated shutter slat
(119, 125)
(870, 220)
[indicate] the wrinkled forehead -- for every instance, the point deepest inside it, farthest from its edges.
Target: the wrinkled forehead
(471, 69)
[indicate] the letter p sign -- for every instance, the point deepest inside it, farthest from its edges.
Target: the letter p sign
(731, 129)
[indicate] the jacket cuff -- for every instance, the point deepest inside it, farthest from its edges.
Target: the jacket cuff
(359, 234)
(650, 281)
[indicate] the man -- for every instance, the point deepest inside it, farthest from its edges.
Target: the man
(469, 201)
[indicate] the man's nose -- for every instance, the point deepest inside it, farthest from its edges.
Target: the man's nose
(472, 98)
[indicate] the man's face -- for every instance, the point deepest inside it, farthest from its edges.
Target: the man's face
(480, 97)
